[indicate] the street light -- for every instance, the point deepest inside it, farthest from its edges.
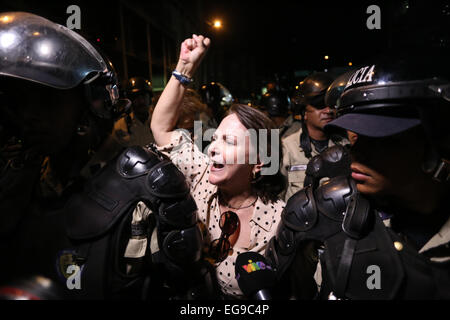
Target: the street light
(217, 24)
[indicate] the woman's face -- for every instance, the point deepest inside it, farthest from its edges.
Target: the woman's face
(229, 153)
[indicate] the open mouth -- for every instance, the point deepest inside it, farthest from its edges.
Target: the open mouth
(217, 166)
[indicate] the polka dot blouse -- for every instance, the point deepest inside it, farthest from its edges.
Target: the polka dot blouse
(195, 166)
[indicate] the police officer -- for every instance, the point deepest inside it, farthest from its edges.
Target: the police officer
(101, 238)
(309, 140)
(335, 160)
(59, 122)
(218, 98)
(134, 127)
(276, 104)
(332, 96)
(140, 92)
(383, 233)
(66, 113)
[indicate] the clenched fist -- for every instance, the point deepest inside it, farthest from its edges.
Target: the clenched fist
(191, 54)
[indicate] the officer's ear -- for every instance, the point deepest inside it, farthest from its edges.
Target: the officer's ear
(304, 113)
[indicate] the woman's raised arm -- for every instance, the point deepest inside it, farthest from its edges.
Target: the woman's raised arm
(165, 114)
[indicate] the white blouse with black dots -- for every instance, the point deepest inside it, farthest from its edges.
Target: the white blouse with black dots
(195, 166)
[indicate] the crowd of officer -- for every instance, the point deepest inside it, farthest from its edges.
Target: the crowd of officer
(365, 154)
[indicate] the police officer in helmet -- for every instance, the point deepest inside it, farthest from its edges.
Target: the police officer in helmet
(390, 220)
(218, 98)
(276, 104)
(311, 139)
(93, 236)
(133, 128)
(335, 160)
(140, 92)
(57, 107)
(58, 100)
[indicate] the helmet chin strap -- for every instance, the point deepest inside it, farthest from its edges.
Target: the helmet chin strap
(442, 172)
(435, 165)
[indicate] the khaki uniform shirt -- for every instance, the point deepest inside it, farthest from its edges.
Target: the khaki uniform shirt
(294, 162)
(290, 126)
(195, 166)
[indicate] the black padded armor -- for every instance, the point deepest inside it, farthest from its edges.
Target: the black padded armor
(310, 215)
(99, 224)
(332, 162)
(354, 239)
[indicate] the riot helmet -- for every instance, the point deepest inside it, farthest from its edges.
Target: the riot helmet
(35, 49)
(55, 65)
(311, 91)
(386, 98)
(336, 88)
(136, 85)
(218, 98)
(275, 103)
(216, 93)
(140, 92)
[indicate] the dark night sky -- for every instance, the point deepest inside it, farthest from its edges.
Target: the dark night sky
(282, 36)
(286, 35)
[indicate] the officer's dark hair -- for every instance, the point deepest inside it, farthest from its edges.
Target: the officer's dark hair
(267, 187)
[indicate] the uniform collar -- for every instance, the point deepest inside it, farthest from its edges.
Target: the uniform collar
(440, 238)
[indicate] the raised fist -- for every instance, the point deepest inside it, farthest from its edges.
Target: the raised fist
(192, 52)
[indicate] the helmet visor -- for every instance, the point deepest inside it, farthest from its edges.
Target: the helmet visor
(371, 125)
(36, 49)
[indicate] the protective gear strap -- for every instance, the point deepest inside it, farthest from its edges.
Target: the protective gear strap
(305, 141)
(154, 246)
(442, 172)
(345, 264)
(137, 244)
(357, 219)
